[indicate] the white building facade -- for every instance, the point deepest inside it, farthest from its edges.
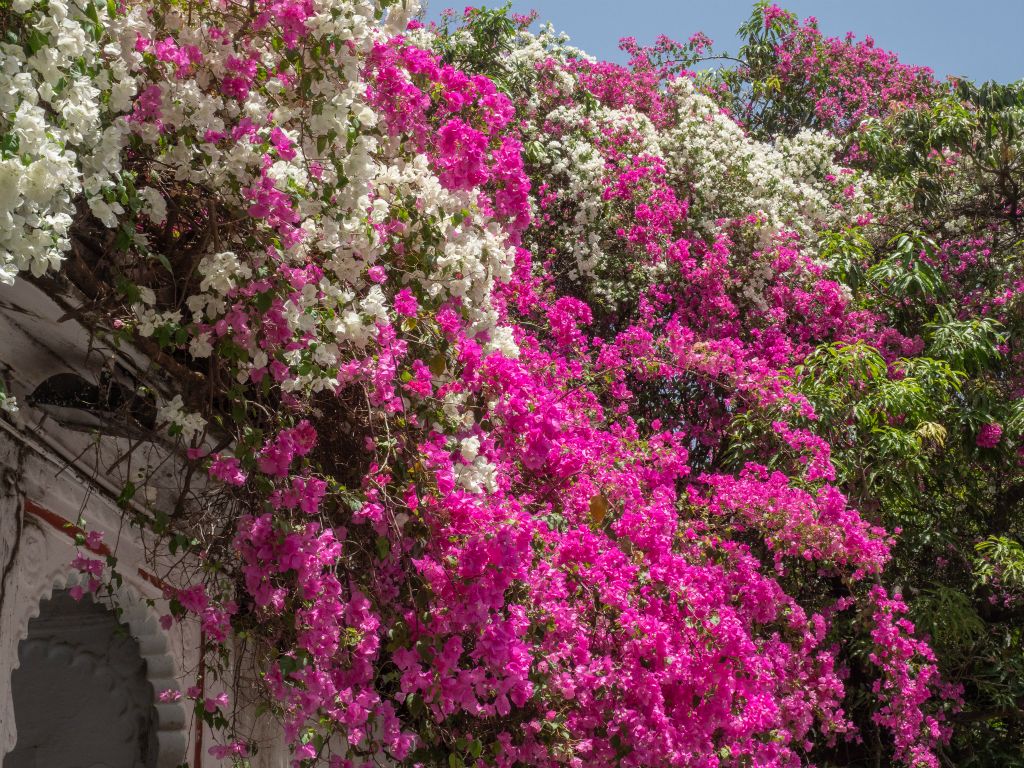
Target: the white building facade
(83, 683)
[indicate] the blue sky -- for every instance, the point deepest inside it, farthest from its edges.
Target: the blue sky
(978, 39)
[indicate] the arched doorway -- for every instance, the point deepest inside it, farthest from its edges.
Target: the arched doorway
(81, 695)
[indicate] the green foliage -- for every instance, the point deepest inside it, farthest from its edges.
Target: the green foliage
(483, 44)
(849, 255)
(948, 616)
(969, 345)
(884, 422)
(979, 128)
(1001, 559)
(908, 270)
(764, 105)
(942, 269)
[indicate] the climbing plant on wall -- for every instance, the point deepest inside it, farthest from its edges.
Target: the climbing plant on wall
(550, 411)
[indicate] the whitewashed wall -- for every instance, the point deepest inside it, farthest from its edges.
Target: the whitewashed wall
(53, 472)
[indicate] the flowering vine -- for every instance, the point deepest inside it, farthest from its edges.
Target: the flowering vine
(463, 344)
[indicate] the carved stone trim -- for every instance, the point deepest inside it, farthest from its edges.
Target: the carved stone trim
(41, 567)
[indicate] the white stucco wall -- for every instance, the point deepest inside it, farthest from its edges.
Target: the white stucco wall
(54, 472)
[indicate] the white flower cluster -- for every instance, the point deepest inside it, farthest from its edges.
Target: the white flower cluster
(364, 178)
(792, 184)
(8, 404)
(149, 320)
(476, 474)
(221, 272)
(576, 161)
(56, 85)
(172, 415)
(66, 89)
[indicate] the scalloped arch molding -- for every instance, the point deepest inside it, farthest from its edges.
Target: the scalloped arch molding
(82, 679)
(39, 567)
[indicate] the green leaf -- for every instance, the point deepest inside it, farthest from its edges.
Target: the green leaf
(127, 494)
(36, 41)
